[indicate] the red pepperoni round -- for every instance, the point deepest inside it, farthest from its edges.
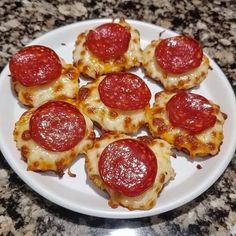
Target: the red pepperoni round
(124, 91)
(35, 65)
(190, 111)
(57, 126)
(178, 54)
(128, 166)
(108, 41)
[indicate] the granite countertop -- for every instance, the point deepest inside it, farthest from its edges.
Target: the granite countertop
(24, 212)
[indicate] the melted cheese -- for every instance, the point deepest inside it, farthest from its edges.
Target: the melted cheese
(108, 118)
(170, 81)
(147, 199)
(66, 86)
(91, 66)
(40, 159)
(202, 144)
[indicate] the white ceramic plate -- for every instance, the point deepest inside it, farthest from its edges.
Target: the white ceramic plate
(78, 194)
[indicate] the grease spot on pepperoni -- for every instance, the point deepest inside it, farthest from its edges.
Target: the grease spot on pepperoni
(57, 126)
(128, 166)
(178, 54)
(108, 41)
(35, 65)
(191, 112)
(124, 91)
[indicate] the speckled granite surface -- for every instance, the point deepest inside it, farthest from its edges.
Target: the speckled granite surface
(24, 212)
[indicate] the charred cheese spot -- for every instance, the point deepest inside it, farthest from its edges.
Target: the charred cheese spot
(58, 88)
(72, 155)
(224, 115)
(109, 118)
(93, 67)
(70, 72)
(82, 54)
(211, 146)
(27, 97)
(113, 114)
(205, 143)
(135, 40)
(34, 166)
(60, 164)
(162, 178)
(15, 134)
(26, 135)
(146, 139)
(178, 141)
(113, 204)
(92, 135)
(40, 159)
(121, 60)
(83, 93)
(158, 109)
(24, 152)
(170, 81)
(127, 122)
(214, 134)
(65, 86)
(146, 200)
(162, 144)
(162, 127)
(91, 110)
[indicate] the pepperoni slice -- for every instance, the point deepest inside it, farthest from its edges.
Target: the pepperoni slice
(178, 54)
(124, 91)
(57, 126)
(190, 111)
(128, 166)
(108, 41)
(35, 65)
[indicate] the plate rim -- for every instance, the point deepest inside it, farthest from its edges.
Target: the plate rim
(121, 215)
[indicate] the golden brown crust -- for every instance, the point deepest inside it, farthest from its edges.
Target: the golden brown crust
(172, 82)
(146, 200)
(206, 143)
(63, 87)
(109, 119)
(91, 66)
(39, 159)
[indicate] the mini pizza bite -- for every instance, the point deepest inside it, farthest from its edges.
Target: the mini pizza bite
(116, 101)
(51, 136)
(132, 171)
(39, 75)
(110, 47)
(188, 121)
(178, 63)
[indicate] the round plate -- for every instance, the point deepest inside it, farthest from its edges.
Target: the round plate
(79, 194)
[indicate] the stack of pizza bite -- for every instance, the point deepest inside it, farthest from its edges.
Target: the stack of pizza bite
(59, 124)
